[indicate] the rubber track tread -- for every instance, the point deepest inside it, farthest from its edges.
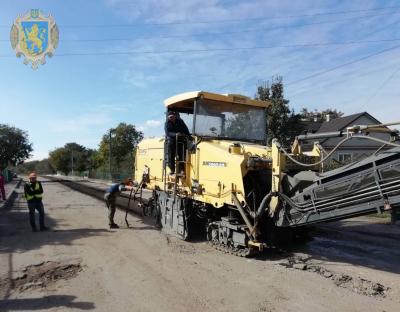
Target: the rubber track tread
(240, 252)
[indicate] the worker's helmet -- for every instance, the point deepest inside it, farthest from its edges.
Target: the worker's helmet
(128, 181)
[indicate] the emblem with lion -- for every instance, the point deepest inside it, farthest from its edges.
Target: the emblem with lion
(36, 37)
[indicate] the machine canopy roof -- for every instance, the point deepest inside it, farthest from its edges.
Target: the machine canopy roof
(185, 100)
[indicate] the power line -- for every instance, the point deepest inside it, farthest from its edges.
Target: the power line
(343, 65)
(305, 45)
(367, 35)
(221, 33)
(185, 22)
(244, 19)
(374, 94)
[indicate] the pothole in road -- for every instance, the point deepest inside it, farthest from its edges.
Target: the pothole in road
(44, 274)
(356, 284)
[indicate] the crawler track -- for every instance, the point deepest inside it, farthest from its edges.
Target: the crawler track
(240, 252)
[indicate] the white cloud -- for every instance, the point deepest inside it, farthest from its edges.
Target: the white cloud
(115, 107)
(238, 71)
(151, 128)
(164, 11)
(138, 79)
(153, 123)
(77, 124)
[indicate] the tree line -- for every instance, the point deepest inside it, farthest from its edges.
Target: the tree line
(73, 157)
(76, 158)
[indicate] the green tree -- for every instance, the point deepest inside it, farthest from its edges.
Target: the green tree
(40, 166)
(60, 159)
(282, 123)
(124, 139)
(14, 146)
(93, 159)
(79, 155)
(72, 156)
(307, 115)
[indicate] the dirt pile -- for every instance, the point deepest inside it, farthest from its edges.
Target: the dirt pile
(44, 274)
(356, 284)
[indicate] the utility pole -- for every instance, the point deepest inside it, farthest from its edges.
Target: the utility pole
(72, 162)
(109, 155)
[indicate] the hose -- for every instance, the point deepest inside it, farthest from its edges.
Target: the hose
(334, 149)
(264, 203)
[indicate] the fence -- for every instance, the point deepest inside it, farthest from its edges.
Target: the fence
(8, 175)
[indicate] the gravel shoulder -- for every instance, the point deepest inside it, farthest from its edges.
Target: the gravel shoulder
(82, 265)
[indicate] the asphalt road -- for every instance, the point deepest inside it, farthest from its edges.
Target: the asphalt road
(82, 265)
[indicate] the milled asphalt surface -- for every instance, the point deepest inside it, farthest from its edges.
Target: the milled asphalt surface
(142, 269)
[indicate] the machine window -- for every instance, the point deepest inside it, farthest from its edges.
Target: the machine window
(231, 121)
(345, 157)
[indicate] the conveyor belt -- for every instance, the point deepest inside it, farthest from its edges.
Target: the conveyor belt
(365, 187)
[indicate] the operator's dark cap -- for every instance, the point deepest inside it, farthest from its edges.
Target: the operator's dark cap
(171, 113)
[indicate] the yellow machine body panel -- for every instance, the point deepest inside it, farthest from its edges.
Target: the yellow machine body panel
(216, 168)
(150, 154)
(213, 168)
(212, 173)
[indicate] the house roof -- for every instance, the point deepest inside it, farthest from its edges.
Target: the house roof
(311, 126)
(341, 123)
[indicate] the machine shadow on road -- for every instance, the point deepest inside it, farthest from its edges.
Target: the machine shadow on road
(44, 303)
(365, 244)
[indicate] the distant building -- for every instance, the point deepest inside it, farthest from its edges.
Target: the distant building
(355, 149)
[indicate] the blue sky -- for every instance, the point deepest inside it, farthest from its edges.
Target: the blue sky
(76, 98)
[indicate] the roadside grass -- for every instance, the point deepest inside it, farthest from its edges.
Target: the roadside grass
(383, 215)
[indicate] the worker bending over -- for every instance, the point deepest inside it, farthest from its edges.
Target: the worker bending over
(110, 198)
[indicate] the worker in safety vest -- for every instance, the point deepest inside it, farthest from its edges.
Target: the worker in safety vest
(111, 196)
(33, 195)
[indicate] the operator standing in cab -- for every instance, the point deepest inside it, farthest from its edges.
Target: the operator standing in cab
(111, 196)
(34, 194)
(175, 126)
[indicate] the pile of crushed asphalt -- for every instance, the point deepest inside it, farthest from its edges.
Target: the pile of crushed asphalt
(356, 284)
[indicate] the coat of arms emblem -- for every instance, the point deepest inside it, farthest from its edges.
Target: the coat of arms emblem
(34, 36)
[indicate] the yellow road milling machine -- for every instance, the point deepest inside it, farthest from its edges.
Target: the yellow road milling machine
(244, 195)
